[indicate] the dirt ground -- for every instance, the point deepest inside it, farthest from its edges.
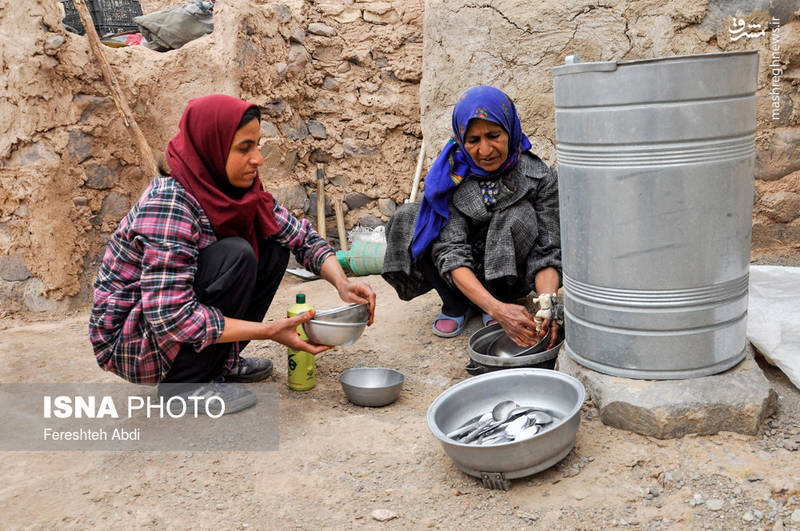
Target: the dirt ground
(337, 462)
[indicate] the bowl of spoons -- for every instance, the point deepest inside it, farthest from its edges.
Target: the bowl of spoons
(508, 424)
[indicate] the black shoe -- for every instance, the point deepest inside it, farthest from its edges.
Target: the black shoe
(250, 370)
(206, 398)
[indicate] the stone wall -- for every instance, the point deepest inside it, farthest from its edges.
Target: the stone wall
(337, 83)
(513, 44)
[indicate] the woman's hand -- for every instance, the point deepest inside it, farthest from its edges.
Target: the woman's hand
(552, 326)
(349, 290)
(284, 331)
(359, 293)
(517, 323)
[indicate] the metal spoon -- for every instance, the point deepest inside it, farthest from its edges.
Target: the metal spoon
(503, 410)
(471, 425)
(540, 417)
(500, 413)
(528, 432)
(514, 427)
(492, 428)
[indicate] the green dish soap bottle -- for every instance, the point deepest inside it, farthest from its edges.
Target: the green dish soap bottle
(302, 367)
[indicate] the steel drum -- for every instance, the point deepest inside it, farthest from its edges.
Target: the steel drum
(655, 163)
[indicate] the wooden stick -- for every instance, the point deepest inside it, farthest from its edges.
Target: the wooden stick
(417, 173)
(339, 210)
(148, 160)
(321, 201)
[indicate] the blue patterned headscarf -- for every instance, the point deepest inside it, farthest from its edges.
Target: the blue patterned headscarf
(454, 165)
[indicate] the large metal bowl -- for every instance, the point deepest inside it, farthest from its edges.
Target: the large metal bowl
(340, 326)
(481, 341)
(559, 394)
(371, 386)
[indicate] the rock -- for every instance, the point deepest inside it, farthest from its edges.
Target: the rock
(343, 67)
(329, 83)
(317, 28)
(79, 147)
(341, 182)
(328, 54)
(748, 517)
(269, 129)
(274, 108)
(782, 207)
(348, 15)
(33, 154)
(317, 130)
(292, 197)
(378, 8)
(715, 504)
(12, 267)
(115, 206)
(88, 105)
(284, 13)
(781, 158)
(371, 222)
(35, 301)
(387, 206)
(360, 151)
(80, 201)
(298, 56)
(696, 500)
(736, 400)
(796, 516)
(277, 164)
(383, 515)
(357, 200)
(319, 155)
(389, 17)
(312, 206)
(296, 128)
(297, 35)
(101, 176)
(53, 43)
(778, 526)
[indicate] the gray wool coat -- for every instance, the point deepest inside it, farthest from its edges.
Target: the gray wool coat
(509, 241)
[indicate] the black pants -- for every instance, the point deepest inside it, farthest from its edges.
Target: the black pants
(230, 278)
(454, 303)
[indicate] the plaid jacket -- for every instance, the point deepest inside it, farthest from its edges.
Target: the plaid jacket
(144, 302)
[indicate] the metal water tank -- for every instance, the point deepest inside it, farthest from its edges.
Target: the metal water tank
(655, 165)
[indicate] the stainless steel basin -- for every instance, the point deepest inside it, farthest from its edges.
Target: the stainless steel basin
(557, 393)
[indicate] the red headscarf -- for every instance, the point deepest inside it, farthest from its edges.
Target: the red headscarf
(197, 157)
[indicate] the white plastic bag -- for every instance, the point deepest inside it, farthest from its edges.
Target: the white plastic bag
(773, 317)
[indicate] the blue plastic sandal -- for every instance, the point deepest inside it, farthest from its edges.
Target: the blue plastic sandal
(487, 319)
(461, 321)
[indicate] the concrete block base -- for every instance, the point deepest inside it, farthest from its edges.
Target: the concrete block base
(736, 400)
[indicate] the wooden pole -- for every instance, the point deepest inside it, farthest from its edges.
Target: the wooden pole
(339, 210)
(417, 173)
(321, 201)
(148, 160)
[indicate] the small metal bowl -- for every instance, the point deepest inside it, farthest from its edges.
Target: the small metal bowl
(339, 326)
(352, 313)
(371, 386)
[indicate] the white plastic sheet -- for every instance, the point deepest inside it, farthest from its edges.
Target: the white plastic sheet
(773, 317)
